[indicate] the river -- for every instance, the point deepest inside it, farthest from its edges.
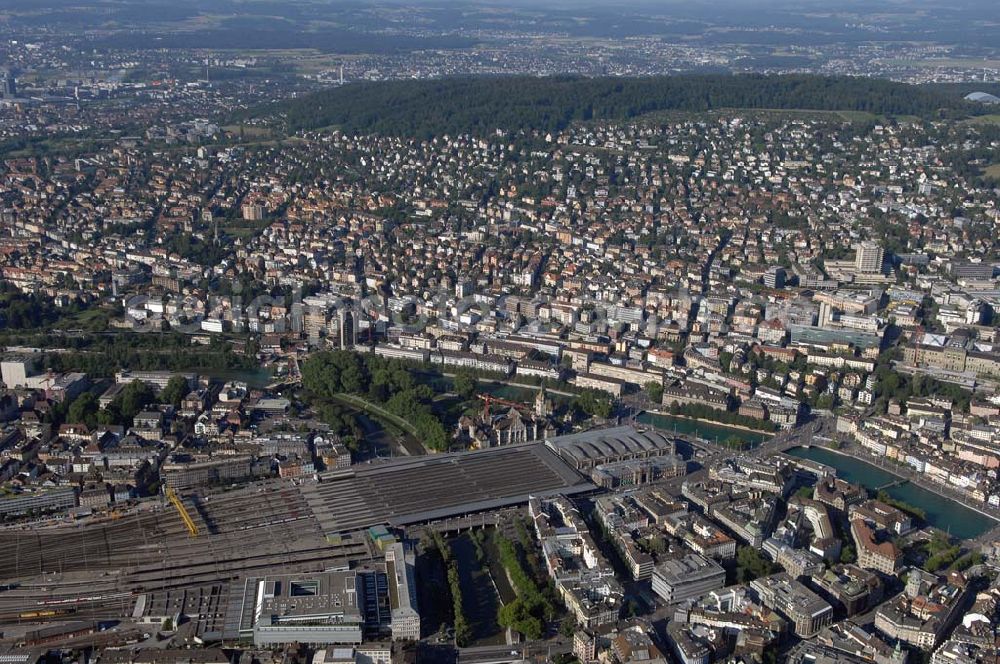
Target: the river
(944, 513)
(479, 597)
(705, 430)
(503, 390)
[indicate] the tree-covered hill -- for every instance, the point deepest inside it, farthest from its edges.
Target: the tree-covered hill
(483, 104)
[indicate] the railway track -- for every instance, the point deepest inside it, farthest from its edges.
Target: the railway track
(96, 571)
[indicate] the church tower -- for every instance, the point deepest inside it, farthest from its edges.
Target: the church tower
(543, 408)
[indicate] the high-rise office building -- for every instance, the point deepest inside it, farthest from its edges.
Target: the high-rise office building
(8, 85)
(868, 259)
(775, 277)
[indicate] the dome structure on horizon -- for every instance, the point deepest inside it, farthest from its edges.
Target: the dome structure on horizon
(983, 97)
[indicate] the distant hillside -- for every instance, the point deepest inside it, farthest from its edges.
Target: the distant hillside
(962, 89)
(482, 104)
(280, 36)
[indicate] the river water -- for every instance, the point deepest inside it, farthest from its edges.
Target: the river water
(944, 513)
(479, 598)
(706, 430)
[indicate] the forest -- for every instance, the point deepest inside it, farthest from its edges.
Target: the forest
(481, 105)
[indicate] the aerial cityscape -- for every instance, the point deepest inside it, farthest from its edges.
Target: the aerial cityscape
(490, 332)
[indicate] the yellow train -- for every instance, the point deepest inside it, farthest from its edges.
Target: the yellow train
(46, 613)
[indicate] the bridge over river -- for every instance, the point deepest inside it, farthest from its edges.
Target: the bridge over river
(945, 508)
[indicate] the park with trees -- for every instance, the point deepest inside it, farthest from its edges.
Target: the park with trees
(385, 382)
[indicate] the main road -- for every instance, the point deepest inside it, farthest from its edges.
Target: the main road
(530, 651)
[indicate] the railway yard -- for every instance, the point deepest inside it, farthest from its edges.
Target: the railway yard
(187, 555)
(128, 566)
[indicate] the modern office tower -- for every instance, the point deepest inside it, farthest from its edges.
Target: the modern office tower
(868, 259)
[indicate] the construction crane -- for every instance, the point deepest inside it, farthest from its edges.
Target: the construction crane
(490, 400)
(185, 517)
